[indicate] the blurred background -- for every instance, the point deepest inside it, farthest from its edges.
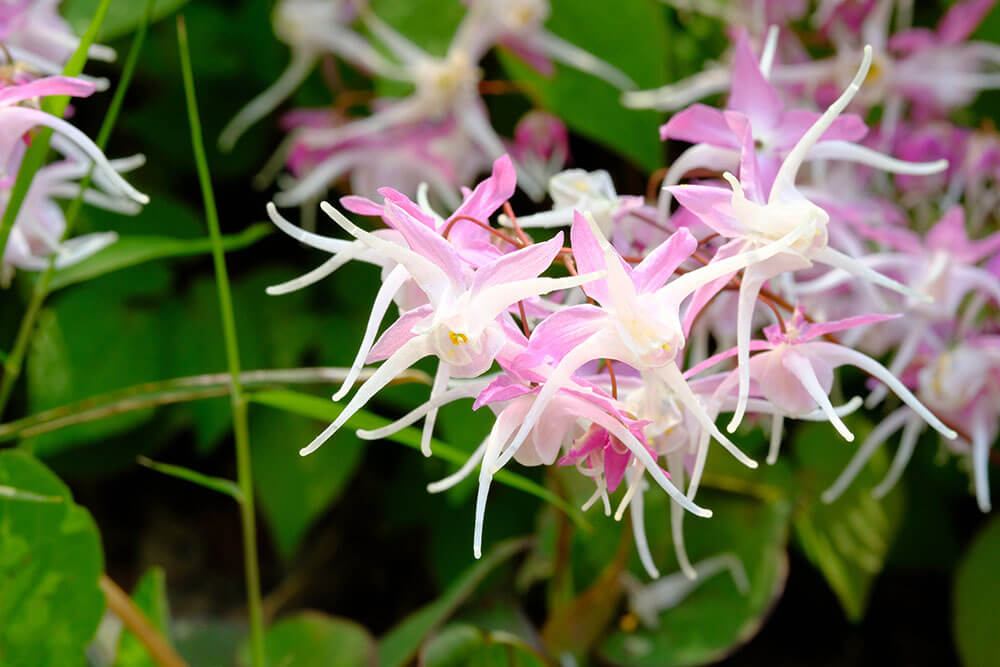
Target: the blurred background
(350, 531)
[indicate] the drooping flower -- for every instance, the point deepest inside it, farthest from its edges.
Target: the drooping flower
(33, 33)
(749, 219)
(310, 28)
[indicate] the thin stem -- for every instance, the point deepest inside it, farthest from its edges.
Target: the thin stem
(244, 473)
(654, 183)
(176, 390)
(139, 625)
(614, 380)
(509, 212)
(40, 290)
(492, 230)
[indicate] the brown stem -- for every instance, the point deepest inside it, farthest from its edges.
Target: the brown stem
(654, 182)
(480, 223)
(135, 620)
(614, 380)
(509, 211)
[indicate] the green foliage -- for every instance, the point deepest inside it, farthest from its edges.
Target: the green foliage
(317, 408)
(611, 31)
(977, 589)
(400, 644)
(77, 350)
(311, 638)
(123, 17)
(293, 490)
(223, 486)
(717, 616)
(848, 539)
(461, 645)
(50, 561)
(150, 596)
(129, 251)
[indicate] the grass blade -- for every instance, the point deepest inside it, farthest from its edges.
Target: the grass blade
(219, 484)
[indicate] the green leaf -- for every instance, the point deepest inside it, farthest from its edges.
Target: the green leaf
(50, 562)
(10, 493)
(977, 589)
(461, 645)
(310, 638)
(78, 351)
(716, 617)
(293, 490)
(398, 646)
(150, 595)
(848, 539)
(223, 486)
(132, 250)
(629, 34)
(123, 16)
(318, 408)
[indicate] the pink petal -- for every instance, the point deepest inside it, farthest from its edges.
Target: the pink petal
(658, 266)
(749, 171)
(50, 85)
(561, 332)
(962, 19)
(527, 262)
(949, 232)
(595, 439)
(711, 204)
(751, 93)
(795, 123)
(403, 202)
(817, 330)
(491, 193)
(615, 463)
(427, 243)
(398, 334)
(361, 205)
(699, 124)
(590, 258)
(704, 294)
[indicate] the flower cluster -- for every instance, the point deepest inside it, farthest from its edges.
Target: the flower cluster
(779, 241)
(440, 134)
(37, 235)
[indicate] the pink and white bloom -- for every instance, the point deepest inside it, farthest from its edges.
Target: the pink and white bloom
(33, 33)
(461, 324)
(310, 28)
(519, 26)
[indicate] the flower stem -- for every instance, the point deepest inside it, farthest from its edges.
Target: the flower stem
(138, 624)
(244, 473)
(40, 291)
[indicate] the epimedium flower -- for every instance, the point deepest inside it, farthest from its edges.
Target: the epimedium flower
(944, 268)
(636, 322)
(18, 116)
(961, 383)
(793, 371)
(775, 132)
(460, 323)
(37, 235)
(519, 26)
(310, 28)
(33, 33)
(444, 88)
(749, 219)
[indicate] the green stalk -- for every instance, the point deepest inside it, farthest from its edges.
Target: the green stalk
(15, 360)
(34, 158)
(238, 399)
